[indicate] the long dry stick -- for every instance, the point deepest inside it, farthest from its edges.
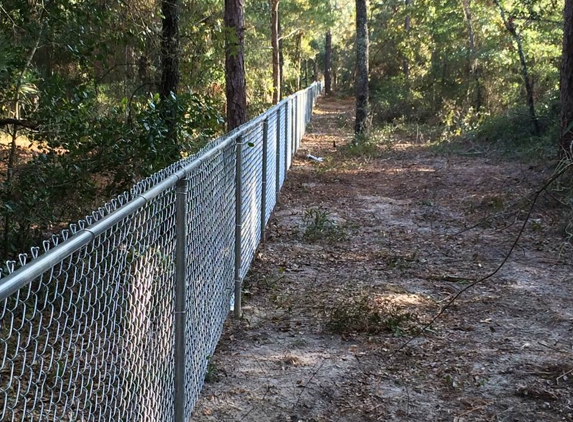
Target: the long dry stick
(313, 375)
(552, 179)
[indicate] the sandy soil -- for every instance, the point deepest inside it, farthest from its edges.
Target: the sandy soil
(361, 253)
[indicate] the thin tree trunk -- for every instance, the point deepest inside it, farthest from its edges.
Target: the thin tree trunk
(281, 59)
(524, 70)
(275, 50)
(328, 64)
(315, 68)
(235, 64)
(169, 48)
(473, 55)
(566, 120)
(13, 155)
(297, 59)
(407, 28)
(170, 66)
(361, 122)
(334, 76)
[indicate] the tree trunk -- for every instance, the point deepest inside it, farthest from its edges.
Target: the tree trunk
(333, 77)
(474, 70)
(566, 138)
(13, 155)
(275, 50)
(281, 60)
(361, 123)
(235, 64)
(315, 68)
(170, 67)
(328, 64)
(297, 59)
(407, 28)
(169, 48)
(524, 70)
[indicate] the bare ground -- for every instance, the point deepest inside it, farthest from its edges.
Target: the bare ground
(361, 253)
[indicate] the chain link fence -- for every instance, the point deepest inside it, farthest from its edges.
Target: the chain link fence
(115, 318)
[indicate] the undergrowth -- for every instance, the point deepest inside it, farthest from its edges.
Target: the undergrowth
(362, 313)
(509, 134)
(318, 225)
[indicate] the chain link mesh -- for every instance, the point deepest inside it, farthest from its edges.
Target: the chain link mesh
(271, 188)
(282, 145)
(210, 269)
(289, 133)
(76, 342)
(252, 190)
(87, 329)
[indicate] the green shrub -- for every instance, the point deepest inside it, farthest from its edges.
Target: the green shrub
(319, 226)
(363, 314)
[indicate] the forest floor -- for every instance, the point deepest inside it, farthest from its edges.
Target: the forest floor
(361, 252)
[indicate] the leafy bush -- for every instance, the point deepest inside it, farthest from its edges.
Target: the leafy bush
(513, 131)
(90, 152)
(319, 226)
(363, 314)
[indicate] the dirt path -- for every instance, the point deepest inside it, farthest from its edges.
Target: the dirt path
(360, 253)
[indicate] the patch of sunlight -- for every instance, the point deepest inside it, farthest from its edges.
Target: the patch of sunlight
(300, 359)
(22, 142)
(409, 170)
(402, 299)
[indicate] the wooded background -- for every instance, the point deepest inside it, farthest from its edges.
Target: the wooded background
(96, 94)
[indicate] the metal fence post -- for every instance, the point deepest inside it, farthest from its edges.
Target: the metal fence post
(238, 224)
(180, 300)
(309, 104)
(278, 153)
(287, 138)
(295, 126)
(265, 178)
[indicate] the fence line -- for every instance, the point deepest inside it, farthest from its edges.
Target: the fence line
(117, 318)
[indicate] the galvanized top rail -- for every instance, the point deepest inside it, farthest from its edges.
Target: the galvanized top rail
(116, 320)
(62, 245)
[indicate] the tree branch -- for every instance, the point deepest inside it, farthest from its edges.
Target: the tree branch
(18, 122)
(290, 35)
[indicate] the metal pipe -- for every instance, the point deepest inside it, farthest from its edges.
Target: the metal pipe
(180, 300)
(296, 125)
(288, 123)
(278, 154)
(21, 277)
(36, 268)
(293, 128)
(264, 177)
(238, 224)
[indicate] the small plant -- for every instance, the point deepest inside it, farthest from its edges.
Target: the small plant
(362, 146)
(363, 314)
(212, 370)
(319, 225)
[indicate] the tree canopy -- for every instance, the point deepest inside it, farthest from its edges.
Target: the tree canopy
(83, 113)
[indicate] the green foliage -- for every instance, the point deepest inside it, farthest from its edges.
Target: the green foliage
(465, 88)
(87, 75)
(212, 373)
(90, 152)
(362, 313)
(363, 146)
(319, 226)
(512, 132)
